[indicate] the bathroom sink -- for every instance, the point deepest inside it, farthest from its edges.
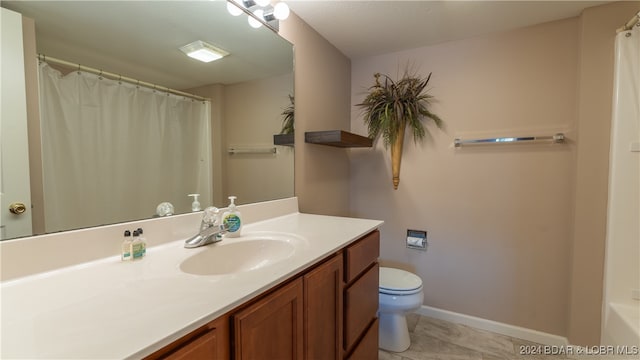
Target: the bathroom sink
(246, 253)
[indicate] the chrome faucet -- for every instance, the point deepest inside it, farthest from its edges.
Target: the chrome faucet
(211, 229)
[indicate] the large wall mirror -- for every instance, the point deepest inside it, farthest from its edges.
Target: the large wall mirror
(98, 162)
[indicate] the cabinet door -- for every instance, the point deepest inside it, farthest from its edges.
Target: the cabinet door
(203, 347)
(367, 348)
(208, 342)
(272, 327)
(323, 311)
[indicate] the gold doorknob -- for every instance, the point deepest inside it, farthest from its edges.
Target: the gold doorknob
(17, 208)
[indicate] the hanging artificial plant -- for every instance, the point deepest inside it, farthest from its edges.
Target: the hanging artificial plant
(288, 117)
(392, 106)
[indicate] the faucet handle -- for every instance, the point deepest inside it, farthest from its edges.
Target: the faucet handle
(210, 216)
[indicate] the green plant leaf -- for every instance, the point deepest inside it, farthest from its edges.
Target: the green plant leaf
(392, 105)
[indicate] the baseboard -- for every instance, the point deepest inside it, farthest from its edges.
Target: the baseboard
(494, 326)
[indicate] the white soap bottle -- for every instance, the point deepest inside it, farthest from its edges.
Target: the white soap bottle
(195, 205)
(232, 219)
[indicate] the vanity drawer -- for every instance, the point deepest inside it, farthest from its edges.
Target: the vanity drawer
(367, 348)
(361, 255)
(361, 306)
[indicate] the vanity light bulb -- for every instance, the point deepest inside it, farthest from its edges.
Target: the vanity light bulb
(281, 11)
(263, 2)
(233, 9)
(253, 22)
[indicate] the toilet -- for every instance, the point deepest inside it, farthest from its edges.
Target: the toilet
(400, 292)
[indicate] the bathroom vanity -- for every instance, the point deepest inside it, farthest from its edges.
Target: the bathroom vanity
(302, 318)
(315, 293)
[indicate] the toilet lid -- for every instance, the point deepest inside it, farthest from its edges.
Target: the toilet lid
(396, 280)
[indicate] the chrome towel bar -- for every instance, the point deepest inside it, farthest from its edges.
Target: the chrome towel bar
(268, 150)
(557, 138)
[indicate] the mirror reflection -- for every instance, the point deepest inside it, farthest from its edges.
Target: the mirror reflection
(123, 121)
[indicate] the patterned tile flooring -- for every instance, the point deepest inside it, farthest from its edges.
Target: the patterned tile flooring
(433, 339)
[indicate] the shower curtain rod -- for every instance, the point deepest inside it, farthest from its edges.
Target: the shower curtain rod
(630, 24)
(118, 77)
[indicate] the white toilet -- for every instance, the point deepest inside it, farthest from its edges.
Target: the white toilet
(399, 293)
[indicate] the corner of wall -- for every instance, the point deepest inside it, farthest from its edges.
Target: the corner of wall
(595, 91)
(322, 87)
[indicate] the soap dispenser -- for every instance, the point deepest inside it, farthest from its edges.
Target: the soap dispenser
(232, 219)
(195, 205)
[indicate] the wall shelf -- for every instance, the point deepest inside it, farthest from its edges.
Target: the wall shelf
(337, 138)
(283, 139)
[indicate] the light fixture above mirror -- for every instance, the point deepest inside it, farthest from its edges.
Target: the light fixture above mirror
(263, 11)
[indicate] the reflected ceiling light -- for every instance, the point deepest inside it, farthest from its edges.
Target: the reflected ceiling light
(203, 51)
(233, 9)
(263, 3)
(253, 22)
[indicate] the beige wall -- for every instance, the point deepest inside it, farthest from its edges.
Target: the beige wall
(517, 232)
(597, 27)
(322, 86)
(499, 217)
(252, 115)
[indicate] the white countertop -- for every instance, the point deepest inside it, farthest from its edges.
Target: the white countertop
(109, 309)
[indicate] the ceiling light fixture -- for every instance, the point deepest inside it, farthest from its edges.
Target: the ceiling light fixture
(203, 51)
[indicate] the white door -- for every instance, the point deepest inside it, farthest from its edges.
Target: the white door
(14, 149)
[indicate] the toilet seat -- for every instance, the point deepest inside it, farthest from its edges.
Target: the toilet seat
(399, 282)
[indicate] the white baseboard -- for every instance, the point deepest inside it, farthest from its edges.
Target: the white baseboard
(494, 326)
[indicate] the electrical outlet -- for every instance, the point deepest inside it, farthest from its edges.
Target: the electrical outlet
(417, 239)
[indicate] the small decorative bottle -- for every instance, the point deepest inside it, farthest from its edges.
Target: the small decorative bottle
(126, 246)
(138, 247)
(143, 240)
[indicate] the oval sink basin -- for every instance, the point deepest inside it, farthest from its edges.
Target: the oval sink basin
(246, 253)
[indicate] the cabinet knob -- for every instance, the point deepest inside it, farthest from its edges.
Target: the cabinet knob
(17, 208)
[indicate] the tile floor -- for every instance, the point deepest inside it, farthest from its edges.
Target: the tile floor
(433, 339)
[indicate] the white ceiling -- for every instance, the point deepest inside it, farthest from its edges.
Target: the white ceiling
(368, 28)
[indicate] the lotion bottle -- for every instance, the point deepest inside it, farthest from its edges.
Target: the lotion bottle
(232, 219)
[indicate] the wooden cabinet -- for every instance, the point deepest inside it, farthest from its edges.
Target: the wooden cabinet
(325, 313)
(361, 295)
(272, 327)
(209, 342)
(323, 310)
(368, 347)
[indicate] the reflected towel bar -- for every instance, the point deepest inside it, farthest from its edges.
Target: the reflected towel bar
(269, 150)
(557, 138)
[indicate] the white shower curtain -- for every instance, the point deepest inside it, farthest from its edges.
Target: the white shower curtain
(112, 151)
(622, 262)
